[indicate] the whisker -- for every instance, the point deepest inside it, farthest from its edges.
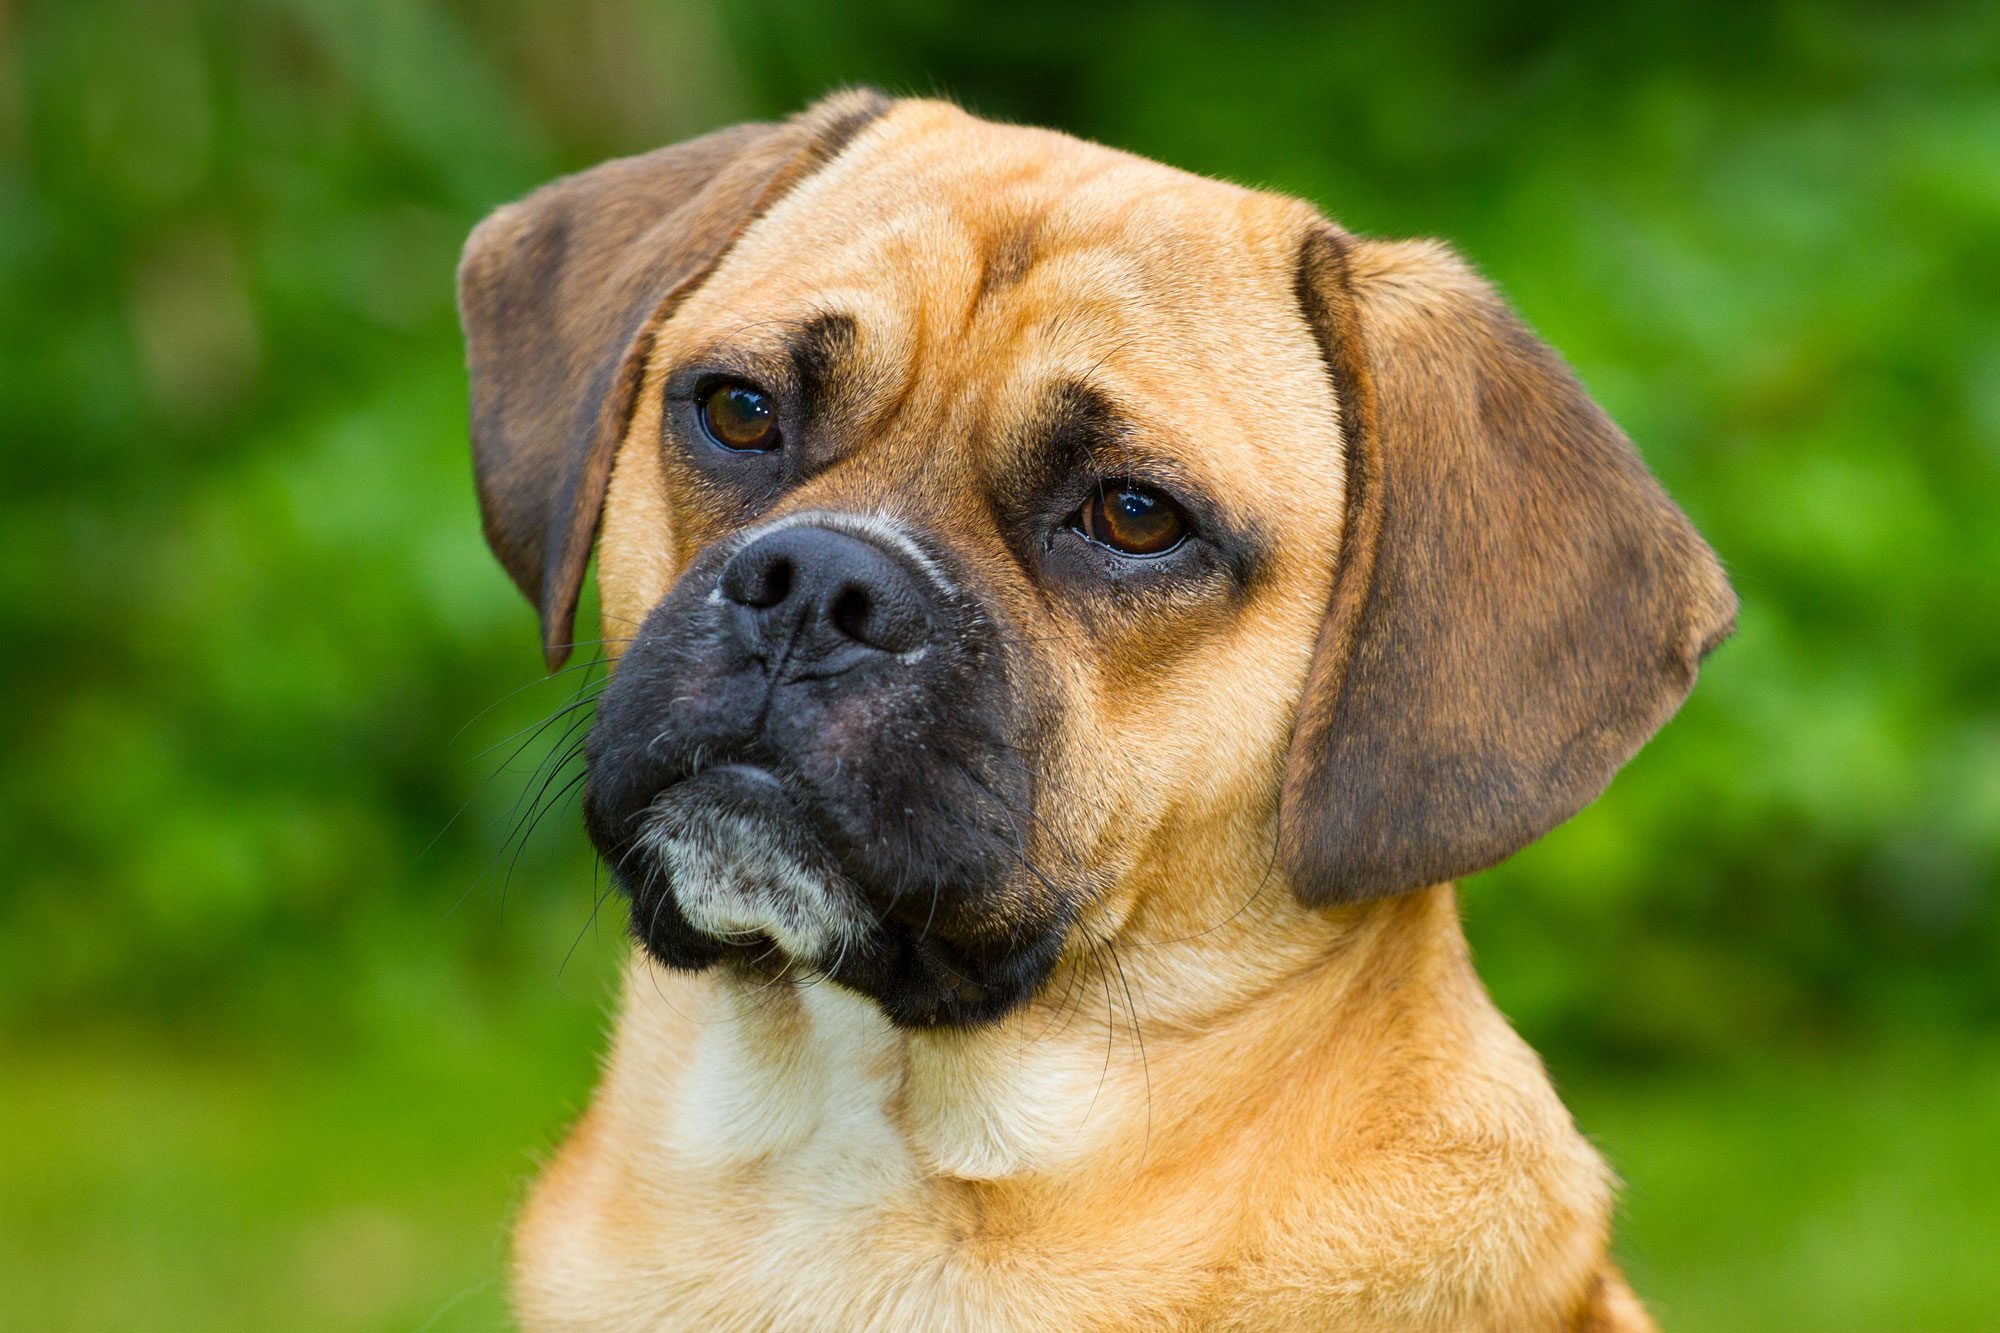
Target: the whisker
(536, 730)
(539, 681)
(1139, 1040)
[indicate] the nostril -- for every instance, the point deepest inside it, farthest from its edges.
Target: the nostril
(759, 578)
(849, 613)
(773, 587)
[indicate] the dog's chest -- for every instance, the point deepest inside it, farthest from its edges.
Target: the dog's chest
(792, 1183)
(790, 1162)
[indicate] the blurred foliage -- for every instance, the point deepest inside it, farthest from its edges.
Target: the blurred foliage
(253, 628)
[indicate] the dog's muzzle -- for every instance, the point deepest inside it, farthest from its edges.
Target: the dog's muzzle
(809, 758)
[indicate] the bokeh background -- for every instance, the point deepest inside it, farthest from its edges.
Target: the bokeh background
(292, 995)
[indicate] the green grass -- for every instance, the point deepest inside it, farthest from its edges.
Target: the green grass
(1858, 1190)
(369, 1186)
(362, 1183)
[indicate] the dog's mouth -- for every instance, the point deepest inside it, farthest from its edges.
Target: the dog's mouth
(810, 762)
(733, 866)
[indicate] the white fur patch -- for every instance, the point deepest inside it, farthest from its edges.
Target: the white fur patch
(804, 1073)
(798, 1074)
(982, 1109)
(735, 880)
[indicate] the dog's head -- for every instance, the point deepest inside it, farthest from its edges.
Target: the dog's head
(1002, 531)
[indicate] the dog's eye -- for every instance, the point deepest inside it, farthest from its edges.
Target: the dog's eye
(1131, 519)
(739, 417)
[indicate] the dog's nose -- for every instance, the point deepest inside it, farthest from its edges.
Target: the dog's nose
(835, 599)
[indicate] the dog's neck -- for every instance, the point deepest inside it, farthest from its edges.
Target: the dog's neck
(1180, 1122)
(1130, 1046)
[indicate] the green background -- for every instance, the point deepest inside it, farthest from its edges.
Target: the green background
(281, 1038)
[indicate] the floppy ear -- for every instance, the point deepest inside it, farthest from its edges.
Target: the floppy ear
(1517, 605)
(560, 295)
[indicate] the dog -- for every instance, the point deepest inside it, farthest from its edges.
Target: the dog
(1072, 620)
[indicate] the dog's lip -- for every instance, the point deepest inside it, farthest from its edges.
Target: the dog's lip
(749, 775)
(746, 787)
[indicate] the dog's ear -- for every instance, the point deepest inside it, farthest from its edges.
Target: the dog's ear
(1517, 605)
(560, 295)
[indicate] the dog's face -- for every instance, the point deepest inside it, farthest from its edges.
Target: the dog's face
(991, 521)
(993, 528)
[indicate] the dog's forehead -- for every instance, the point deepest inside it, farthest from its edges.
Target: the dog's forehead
(1021, 258)
(950, 199)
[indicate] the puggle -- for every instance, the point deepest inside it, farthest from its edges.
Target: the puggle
(1072, 620)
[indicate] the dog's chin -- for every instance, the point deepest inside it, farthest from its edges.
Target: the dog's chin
(744, 871)
(725, 869)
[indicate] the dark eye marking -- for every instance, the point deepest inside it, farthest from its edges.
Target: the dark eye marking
(823, 352)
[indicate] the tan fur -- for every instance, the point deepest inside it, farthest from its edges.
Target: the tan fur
(1227, 1109)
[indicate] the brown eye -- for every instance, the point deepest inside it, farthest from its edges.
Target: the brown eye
(739, 417)
(1132, 519)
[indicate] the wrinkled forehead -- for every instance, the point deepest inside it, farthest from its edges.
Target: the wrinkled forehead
(974, 255)
(930, 201)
